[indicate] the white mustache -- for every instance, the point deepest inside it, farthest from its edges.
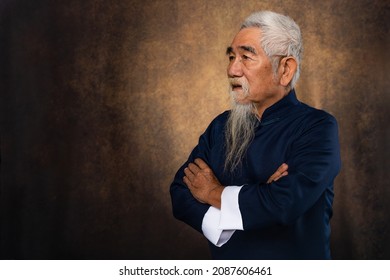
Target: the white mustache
(239, 82)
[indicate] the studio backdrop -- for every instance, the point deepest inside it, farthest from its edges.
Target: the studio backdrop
(102, 101)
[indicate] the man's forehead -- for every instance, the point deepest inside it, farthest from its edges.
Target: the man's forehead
(247, 39)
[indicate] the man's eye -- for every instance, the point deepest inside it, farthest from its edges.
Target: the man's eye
(245, 57)
(231, 57)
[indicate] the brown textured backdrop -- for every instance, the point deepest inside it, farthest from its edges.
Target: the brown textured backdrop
(101, 102)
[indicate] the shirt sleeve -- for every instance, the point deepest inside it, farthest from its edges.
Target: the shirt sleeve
(218, 226)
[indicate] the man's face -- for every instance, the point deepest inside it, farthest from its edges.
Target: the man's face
(250, 67)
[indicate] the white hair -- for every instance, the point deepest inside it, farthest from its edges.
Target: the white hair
(280, 36)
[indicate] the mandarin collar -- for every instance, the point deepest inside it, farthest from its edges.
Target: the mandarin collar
(276, 111)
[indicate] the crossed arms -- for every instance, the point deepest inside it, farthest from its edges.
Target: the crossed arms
(206, 188)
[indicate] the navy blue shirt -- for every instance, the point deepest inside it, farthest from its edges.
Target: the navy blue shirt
(289, 218)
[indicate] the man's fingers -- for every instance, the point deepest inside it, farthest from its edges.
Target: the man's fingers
(279, 173)
(270, 180)
(202, 165)
(279, 176)
(189, 174)
(282, 168)
(193, 168)
(190, 187)
(186, 181)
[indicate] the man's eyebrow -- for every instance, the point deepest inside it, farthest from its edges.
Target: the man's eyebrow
(229, 50)
(248, 49)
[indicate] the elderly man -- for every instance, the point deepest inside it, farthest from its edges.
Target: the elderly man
(259, 184)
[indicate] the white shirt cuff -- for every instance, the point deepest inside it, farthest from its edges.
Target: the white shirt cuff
(211, 230)
(218, 226)
(230, 209)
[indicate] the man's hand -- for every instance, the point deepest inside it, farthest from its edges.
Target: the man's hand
(202, 183)
(279, 173)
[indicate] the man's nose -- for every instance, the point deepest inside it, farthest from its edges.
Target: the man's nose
(235, 68)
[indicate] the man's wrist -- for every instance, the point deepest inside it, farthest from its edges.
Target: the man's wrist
(214, 198)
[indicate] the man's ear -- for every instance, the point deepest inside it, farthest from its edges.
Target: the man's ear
(287, 67)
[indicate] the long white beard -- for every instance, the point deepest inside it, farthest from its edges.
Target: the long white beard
(240, 129)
